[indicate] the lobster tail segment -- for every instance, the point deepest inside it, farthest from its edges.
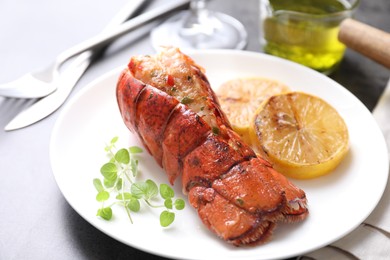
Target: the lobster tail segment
(227, 220)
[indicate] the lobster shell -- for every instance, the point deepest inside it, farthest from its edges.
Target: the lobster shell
(237, 195)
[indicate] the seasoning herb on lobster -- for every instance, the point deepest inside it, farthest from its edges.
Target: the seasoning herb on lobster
(237, 195)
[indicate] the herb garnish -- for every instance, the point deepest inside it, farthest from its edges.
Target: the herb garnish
(119, 180)
(215, 130)
(186, 100)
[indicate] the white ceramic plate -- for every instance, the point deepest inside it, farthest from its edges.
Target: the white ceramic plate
(338, 202)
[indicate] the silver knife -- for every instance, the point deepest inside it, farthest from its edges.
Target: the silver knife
(51, 103)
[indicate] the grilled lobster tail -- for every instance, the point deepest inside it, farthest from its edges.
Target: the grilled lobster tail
(167, 101)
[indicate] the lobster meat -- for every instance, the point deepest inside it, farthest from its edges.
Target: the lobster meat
(167, 101)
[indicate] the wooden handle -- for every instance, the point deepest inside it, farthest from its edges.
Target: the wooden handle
(367, 40)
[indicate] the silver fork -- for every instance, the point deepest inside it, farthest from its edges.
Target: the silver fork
(42, 83)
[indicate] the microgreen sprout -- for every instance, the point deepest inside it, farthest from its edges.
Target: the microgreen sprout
(120, 182)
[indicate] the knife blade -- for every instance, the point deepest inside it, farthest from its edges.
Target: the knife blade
(47, 105)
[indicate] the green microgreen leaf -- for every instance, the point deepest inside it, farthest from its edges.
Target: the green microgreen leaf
(109, 171)
(111, 145)
(139, 189)
(105, 213)
(124, 196)
(134, 167)
(114, 139)
(166, 191)
(179, 204)
(122, 156)
(98, 184)
(152, 190)
(119, 184)
(134, 205)
(102, 196)
(135, 149)
(109, 183)
(166, 218)
(168, 203)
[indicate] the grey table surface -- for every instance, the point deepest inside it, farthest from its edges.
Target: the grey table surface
(36, 222)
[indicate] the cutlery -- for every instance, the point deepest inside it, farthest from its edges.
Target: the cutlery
(41, 83)
(52, 102)
(97, 41)
(47, 105)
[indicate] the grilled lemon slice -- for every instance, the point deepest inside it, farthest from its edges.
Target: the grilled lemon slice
(302, 135)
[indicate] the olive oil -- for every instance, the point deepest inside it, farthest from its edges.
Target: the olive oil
(305, 31)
